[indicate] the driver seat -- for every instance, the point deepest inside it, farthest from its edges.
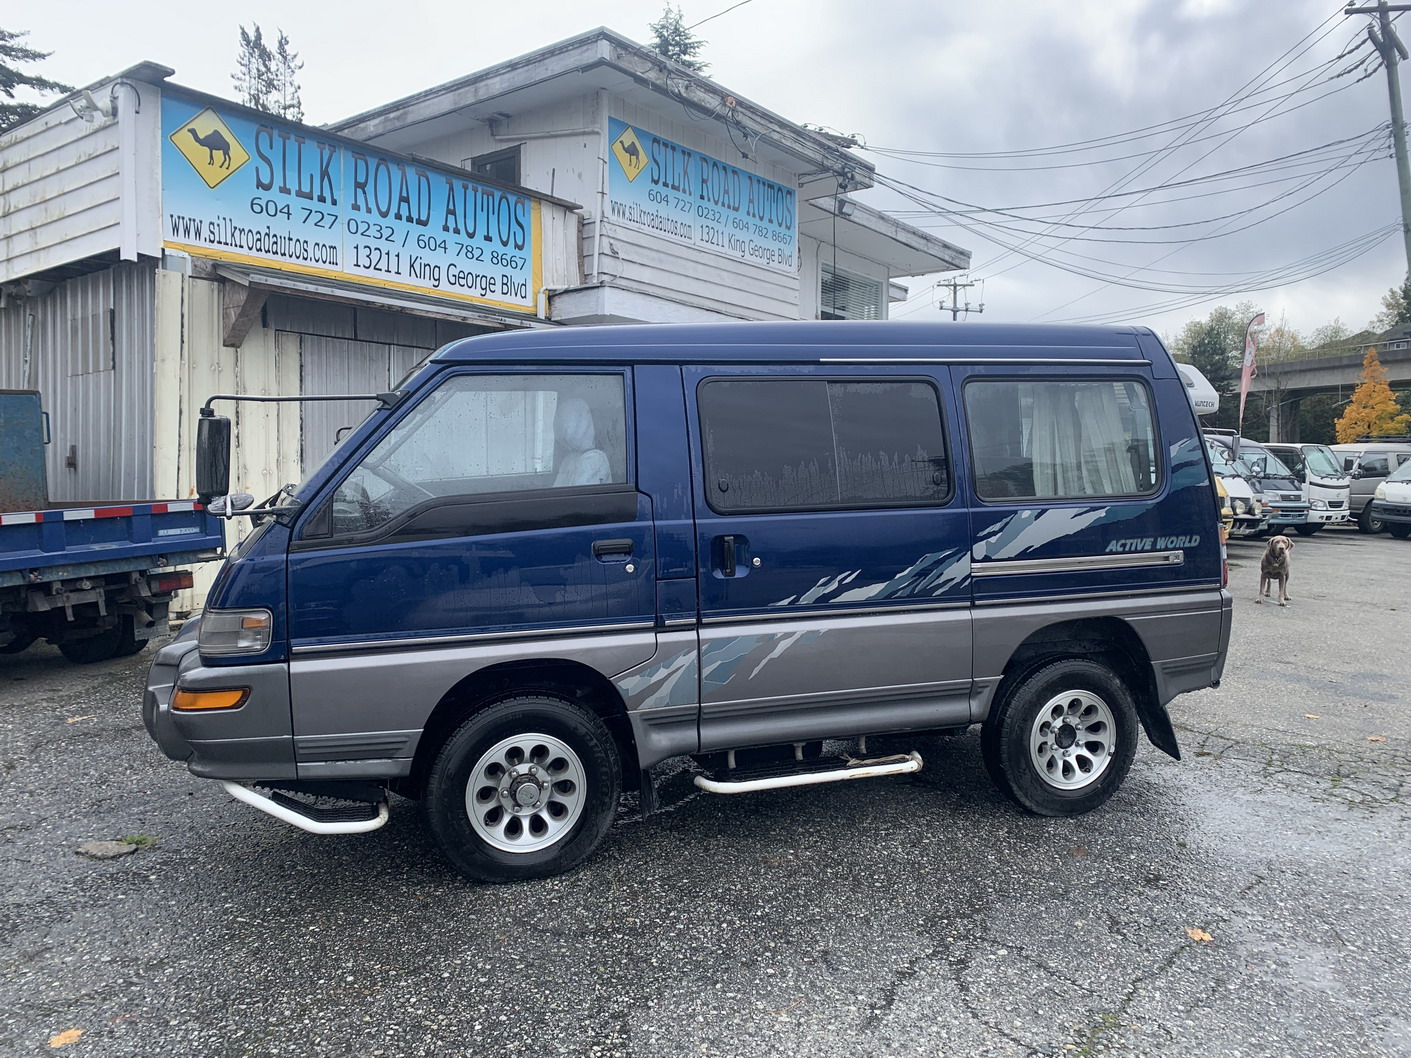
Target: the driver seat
(573, 432)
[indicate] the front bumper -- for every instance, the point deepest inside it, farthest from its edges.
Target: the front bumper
(255, 741)
(1288, 514)
(1391, 512)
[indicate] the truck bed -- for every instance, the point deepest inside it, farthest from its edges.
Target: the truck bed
(80, 540)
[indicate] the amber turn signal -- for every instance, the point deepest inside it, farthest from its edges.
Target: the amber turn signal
(190, 701)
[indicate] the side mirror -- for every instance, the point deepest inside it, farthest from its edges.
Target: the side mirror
(212, 457)
(1357, 473)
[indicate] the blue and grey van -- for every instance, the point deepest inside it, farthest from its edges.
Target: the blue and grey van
(555, 558)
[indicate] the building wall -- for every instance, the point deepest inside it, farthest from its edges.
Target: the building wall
(86, 346)
(575, 167)
(60, 192)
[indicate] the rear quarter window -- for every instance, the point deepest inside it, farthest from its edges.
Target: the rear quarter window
(1051, 438)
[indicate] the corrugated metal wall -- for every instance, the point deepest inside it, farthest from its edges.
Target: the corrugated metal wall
(87, 347)
(339, 365)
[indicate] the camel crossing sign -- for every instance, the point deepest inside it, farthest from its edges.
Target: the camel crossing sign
(627, 149)
(208, 144)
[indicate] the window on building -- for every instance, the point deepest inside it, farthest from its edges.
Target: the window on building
(845, 296)
(1056, 439)
(502, 166)
(811, 444)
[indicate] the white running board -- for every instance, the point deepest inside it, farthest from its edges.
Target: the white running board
(298, 819)
(902, 764)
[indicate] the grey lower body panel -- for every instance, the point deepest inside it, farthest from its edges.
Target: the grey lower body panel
(1185, 634)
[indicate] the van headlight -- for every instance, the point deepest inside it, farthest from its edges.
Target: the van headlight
(1256, 506)
(1381, 493)
(1241, 507)
(225, 632)
(1319, 505)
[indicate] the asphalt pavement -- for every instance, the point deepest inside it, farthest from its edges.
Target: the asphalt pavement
(1252, 899)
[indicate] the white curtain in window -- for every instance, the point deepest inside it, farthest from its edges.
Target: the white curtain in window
(1078, 443)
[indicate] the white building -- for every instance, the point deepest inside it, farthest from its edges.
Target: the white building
(160, 245)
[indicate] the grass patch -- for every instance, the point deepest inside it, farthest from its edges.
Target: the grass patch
(142, 841)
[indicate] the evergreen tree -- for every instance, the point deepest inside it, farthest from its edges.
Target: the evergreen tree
(1396, 308)
(287, 65)
(254, 75)
(672, 38)
(11, 78)
(1373, 408)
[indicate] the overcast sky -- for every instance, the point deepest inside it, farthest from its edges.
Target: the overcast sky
(939, 81)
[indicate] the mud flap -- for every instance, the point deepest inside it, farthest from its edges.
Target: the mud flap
(1156, 722)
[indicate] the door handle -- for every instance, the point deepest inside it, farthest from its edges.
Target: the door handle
(732, 548)
(602, 548)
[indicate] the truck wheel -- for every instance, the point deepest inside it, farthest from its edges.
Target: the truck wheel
(1367, 523)
(1308, 528)
(128, 643)
(1061, 739)
(523, 789)
(1400, 530)
(91, 649)
(18, 641)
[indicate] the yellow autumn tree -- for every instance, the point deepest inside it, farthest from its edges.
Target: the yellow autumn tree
(1373, 408)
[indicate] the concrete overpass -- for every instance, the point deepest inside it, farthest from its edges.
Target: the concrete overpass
(1289, 381)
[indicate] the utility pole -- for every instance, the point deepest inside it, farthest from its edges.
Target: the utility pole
(1390, 48)
(956, 286)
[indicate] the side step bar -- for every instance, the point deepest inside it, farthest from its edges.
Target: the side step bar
(356, 819)
(901, 764)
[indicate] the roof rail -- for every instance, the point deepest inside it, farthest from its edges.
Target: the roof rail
(1392, 437)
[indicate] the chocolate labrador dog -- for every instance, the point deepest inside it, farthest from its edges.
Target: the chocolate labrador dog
(1275, 566)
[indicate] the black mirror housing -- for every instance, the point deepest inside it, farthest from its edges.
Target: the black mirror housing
(212, 457)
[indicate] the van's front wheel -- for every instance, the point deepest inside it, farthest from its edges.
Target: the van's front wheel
(1061, 740)
(523, 789)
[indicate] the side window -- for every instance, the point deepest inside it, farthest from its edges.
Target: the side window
(1402, 458)
(1374, 466)
(479, 434)
(811, 444)
(1058, 439)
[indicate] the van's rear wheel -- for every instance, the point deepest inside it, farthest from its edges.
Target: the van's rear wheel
(523, 789)
(1061, 740)
(1367, 523)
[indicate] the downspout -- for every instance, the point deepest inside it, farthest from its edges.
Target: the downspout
(602, 183)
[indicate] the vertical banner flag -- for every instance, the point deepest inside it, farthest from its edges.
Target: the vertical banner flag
(1247, 371)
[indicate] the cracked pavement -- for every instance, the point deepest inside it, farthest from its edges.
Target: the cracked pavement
(913, 916)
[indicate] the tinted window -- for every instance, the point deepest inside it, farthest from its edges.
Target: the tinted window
(1371, 466)
(1053, 439)
(801, 444)
(490, 433)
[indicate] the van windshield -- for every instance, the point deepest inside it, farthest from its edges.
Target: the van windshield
(1322, 461)
(1265, 462)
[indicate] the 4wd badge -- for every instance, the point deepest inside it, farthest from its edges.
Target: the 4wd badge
(208, 144)
(627, 148)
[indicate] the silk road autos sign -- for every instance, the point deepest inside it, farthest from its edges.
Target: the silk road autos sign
(686, 197)
(240, 186)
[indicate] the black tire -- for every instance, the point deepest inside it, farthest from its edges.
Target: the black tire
(1308, 528)
(128, 643)
(1400, 530)
(18, 642)
(1367, 524)
(92, 649)
(1013, 742)
(575, 746)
